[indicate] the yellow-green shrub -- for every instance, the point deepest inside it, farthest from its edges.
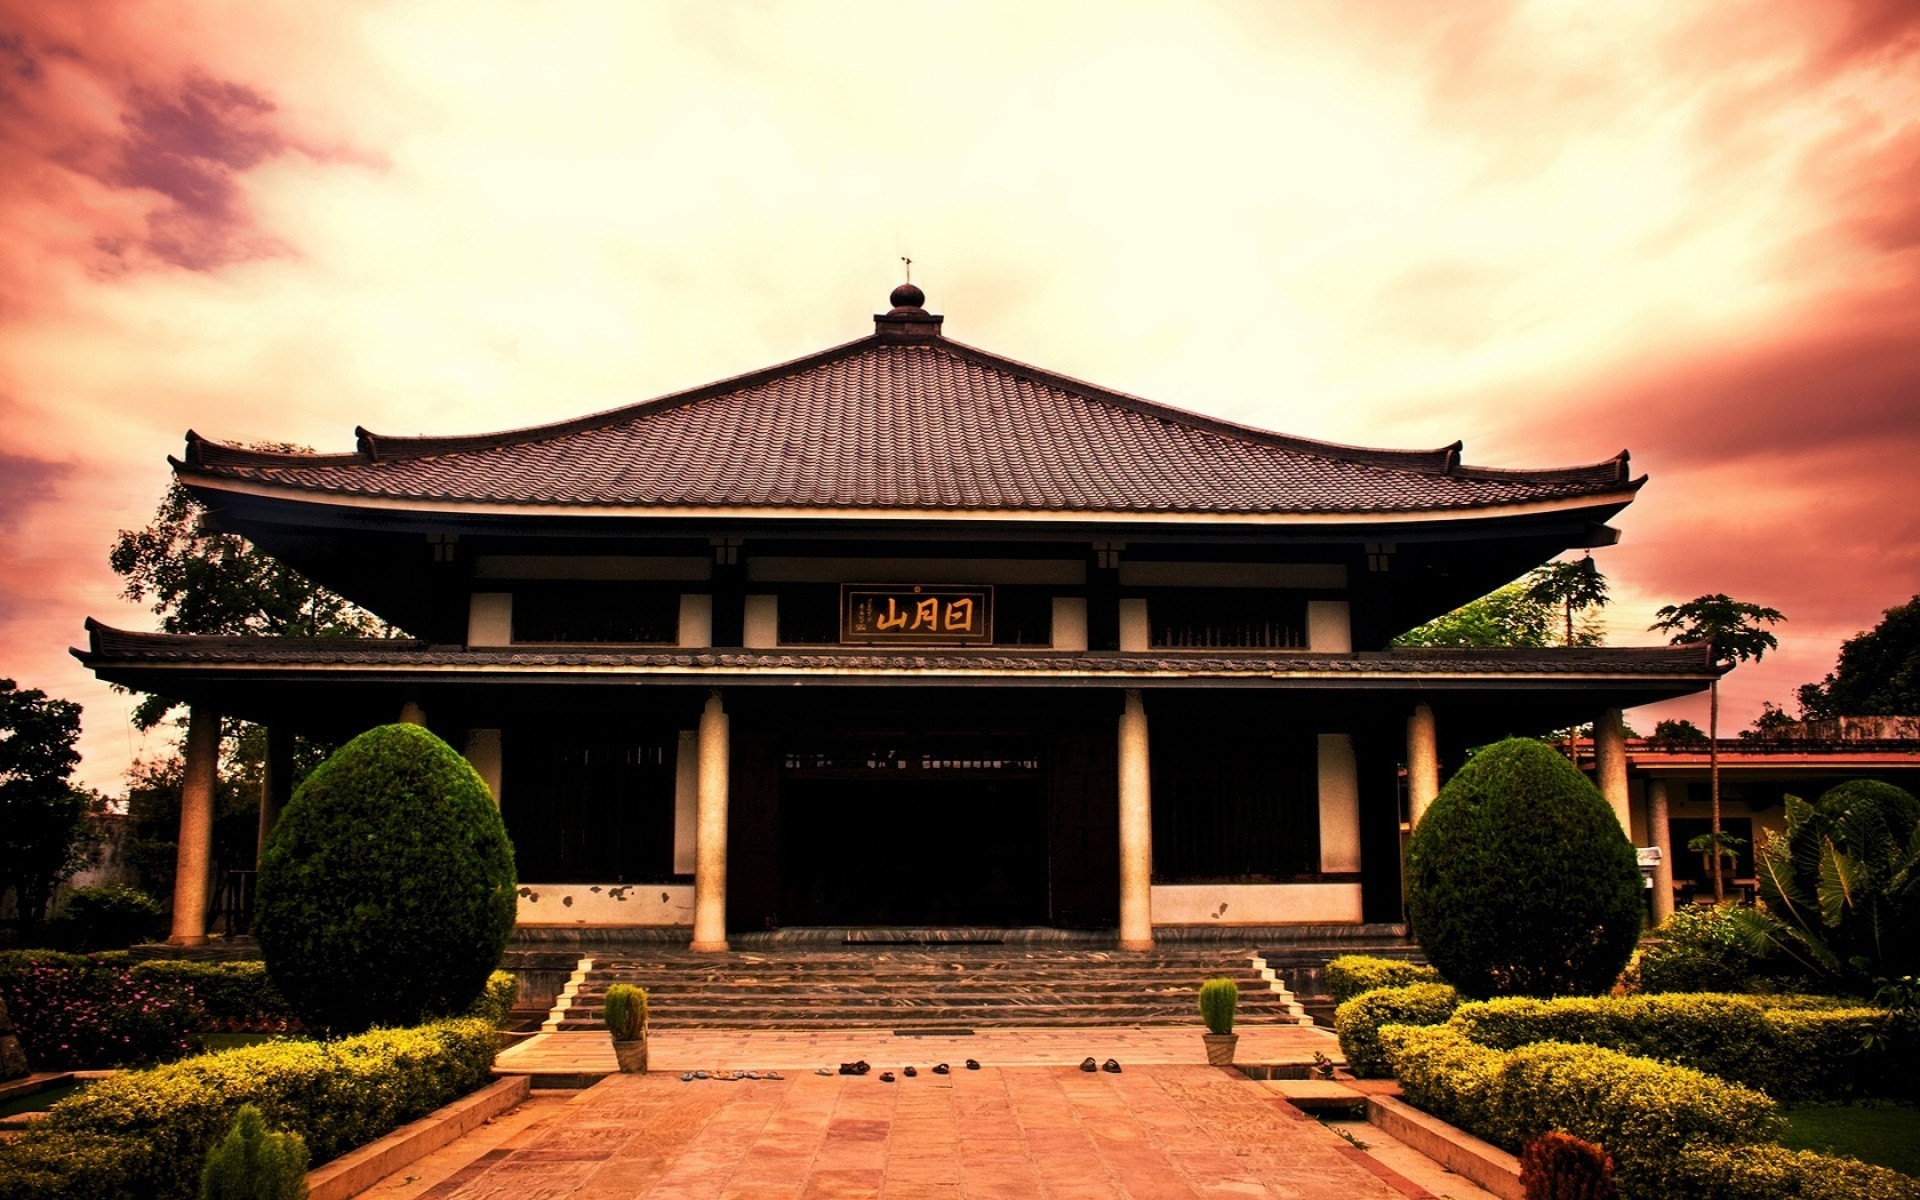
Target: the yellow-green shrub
(495, 1005)
(1777, 1173)
(50, 1165)
(337, 1095)
(1642, 1112)
(1803, 1047)
(1359, 1020)
(1351, 974)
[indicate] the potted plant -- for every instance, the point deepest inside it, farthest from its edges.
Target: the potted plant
(626, 1017)
(1218, 1000)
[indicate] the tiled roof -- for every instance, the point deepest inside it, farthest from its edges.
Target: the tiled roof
(901, 421)
(119, 648)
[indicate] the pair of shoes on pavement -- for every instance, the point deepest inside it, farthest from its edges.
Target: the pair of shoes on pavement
(1110, 1066)
(855, 1068)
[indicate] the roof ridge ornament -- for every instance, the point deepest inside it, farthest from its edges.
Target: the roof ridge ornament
(908, 320)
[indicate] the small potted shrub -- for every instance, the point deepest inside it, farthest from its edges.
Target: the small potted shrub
(626, 1016)
(1218, 1000)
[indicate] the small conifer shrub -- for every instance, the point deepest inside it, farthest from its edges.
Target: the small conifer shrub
(1559, 1166)
(626, 1012)
(1520, 879)
(1219, 998)
(386, 893)
(252, 1163)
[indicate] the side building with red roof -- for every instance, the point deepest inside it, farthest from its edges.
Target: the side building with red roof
(906, 635)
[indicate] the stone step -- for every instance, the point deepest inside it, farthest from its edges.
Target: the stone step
(818, 987)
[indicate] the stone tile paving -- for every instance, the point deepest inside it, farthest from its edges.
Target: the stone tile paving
(675, 1051)
(1049, 1132)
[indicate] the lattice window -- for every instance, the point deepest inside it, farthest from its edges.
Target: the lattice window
(1248, 618)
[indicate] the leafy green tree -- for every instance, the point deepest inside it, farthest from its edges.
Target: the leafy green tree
(45, 834)
(1680, 732)
(1522, 613)
(1507, 616)
(1842, 887)
(1571, 586)
(1520, 880)
(198, 580)
(1878, 673)
(1732, 630)
(1772, 719)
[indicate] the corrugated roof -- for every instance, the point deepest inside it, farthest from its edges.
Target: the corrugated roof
(902, 420)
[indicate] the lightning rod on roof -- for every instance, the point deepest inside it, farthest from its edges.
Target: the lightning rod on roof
(909, 264)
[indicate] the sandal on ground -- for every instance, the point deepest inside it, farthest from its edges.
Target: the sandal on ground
(1110, 1067)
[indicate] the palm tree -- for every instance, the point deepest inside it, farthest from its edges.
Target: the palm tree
(1733, 635)
(1570, 586)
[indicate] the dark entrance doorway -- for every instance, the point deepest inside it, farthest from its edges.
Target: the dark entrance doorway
(914, 836)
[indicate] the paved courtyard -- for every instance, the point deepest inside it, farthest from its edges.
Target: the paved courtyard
(1147, 1132)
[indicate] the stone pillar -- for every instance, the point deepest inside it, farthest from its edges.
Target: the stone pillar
(412, 714)
(485, 756)
(1610, 765)
(1136, 828)
(1423, 762)
(1661, 835)
(191, 877)
(276, 781)
(710, 835)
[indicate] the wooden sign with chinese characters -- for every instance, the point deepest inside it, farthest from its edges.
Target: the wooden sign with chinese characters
(915, 614)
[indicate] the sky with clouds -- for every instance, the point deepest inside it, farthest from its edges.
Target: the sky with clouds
(1552, 230)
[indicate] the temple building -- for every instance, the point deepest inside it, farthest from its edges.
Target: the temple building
(907, 635)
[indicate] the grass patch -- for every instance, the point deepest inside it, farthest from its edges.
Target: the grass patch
(1879, 1132)
(41, 1100)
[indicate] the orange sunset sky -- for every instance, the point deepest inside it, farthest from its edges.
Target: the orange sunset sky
(1551, 230)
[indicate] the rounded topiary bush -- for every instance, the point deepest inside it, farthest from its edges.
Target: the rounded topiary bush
(1520, 880)
(386, 893)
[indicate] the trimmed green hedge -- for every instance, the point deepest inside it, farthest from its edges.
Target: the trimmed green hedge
(1777, 1173)
(1352, 974)
(1805, 1049)
(337, 1095)
(1642, 1112)
(238, 996)
(1359, 1020)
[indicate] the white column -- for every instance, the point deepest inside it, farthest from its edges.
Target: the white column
(484, 754)
(1136, 828)
(1610, 765)
(1661, 835)
(710, 836)
(195, 858)
(1423, 761)
(1339, 777)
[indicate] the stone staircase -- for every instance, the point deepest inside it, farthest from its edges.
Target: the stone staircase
(920, 988)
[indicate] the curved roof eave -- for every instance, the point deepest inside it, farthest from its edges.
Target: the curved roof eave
(209, 486)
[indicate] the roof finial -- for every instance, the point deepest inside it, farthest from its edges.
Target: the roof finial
(909, 262)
